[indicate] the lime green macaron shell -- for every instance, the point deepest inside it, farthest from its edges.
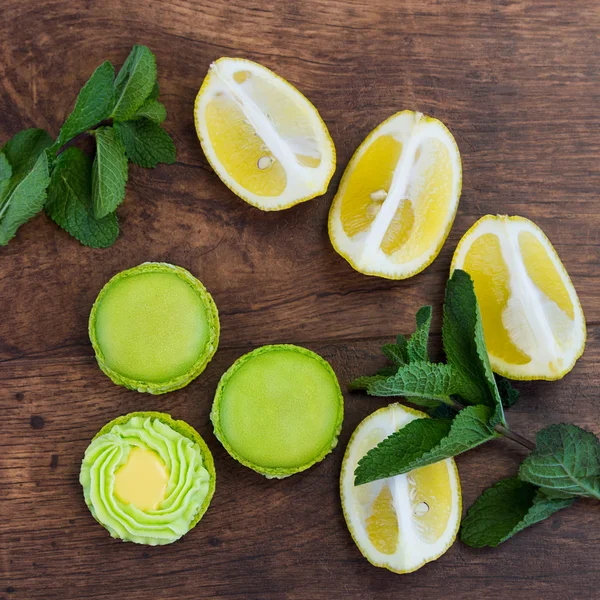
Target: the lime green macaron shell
(278, 410)
(154, 328)
(110, 465)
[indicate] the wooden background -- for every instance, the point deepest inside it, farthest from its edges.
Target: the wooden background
(518, 83)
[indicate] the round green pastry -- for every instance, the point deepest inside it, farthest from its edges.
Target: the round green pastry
(147, 478)
(278, 410)
(154, 328)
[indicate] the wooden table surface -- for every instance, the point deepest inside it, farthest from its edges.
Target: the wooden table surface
(518, 83)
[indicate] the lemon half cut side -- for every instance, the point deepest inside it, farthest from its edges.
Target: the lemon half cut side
(263, 138)
(398, 197)
(402, 522)
(532, 319)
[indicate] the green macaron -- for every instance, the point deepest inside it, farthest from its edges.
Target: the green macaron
(154, 328)
(278, 410)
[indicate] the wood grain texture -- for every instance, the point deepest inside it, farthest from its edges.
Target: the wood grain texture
(517, 82)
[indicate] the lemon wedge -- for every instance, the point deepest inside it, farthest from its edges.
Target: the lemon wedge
(398, 197)
(402, 522)
(532, 319)
(262, 137)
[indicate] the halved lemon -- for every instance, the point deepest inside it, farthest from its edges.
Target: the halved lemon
(399, 523)
(262, 137)
(533, 322)
(398, 197)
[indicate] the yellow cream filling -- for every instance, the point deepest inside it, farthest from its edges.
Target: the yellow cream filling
(142, 480)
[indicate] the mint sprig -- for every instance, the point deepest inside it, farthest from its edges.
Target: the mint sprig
(424, 442)
(124, 116)
(506, 508)
(466, 402)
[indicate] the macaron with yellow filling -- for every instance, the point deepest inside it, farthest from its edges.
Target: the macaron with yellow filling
(147, 478)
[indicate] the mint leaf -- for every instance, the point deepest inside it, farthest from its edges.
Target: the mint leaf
(508, 394)
(24, 197)
(155, 93)
(397, 354)
(94, 104)
(5, 174)
(23, 150)
(565, 462)
(152, 110)
(464, 344)
(506, 508)
(417, 345)
(134, 83)
(363, 383)
(109, 173)
(425, 441)
(146, 143)
(69, 202)
(420, 381)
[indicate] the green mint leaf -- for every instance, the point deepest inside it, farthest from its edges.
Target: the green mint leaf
(506, 508)
(417, 345)
(565, 462)
(395, 353)
(94, 104)
(425, 441)
(24, 198)
(146, 143)
(109, 173)
(363, 383)
(508, 394)
(387, 371)
(5, 175)
(155, 93)
(23, 151)
(134, 83)
(420, 381)
(69, 202)
(152, 110)
(442, 411)
(464, 344)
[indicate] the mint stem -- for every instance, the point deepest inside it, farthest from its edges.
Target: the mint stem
(515, 437)
(501, 429)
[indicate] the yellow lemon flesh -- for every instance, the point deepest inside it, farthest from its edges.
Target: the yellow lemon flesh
(263, 138)
(398, 197)
(401, 522)
(532, 319)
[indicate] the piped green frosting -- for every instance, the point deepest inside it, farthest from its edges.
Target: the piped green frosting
(190, 486)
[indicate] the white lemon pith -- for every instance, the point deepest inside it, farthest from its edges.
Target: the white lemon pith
(262, 137)
(399, 523)
(532, 319)
(398, 197)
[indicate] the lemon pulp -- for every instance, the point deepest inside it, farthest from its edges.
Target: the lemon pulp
(398, 197)
(264, 139)
(533, 323)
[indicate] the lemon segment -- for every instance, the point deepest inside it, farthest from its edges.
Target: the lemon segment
(533, 323)
(398, 197)
(263, 138)
(399, 523)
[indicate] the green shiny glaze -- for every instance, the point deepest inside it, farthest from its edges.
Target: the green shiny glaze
(191, 477)
(278, 410)
(154, 328)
